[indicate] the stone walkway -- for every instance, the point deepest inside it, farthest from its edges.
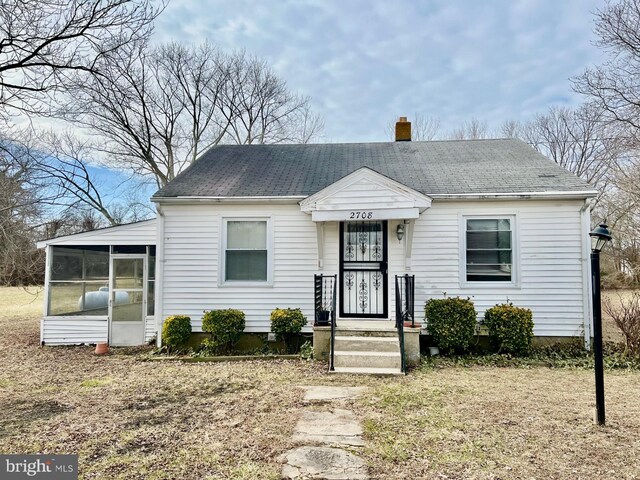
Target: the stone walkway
(325, 432)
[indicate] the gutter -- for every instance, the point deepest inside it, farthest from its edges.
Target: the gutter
(245, 199)
(560, 195)
(159, 294)
(585, 226)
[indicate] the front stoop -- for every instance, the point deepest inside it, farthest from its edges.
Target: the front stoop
(367, 347)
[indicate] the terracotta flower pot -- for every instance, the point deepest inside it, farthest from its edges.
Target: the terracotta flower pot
(102, 348)
(409, 324)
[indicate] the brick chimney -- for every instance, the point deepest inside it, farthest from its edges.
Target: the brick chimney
(403, 130)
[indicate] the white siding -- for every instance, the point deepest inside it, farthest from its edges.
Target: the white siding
(149, 329)
(549, 257)
(70, 331)
(77, 330)
(366, 194)
(192, 258)
(74, 331)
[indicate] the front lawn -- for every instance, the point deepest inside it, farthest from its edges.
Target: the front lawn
(167, 420)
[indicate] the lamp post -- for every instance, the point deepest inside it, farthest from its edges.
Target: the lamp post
(599, 238)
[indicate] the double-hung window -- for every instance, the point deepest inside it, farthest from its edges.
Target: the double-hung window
(246, 250)
(489, 249)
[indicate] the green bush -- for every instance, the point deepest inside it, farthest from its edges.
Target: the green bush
(225, 327)
(306, 350)
(510, 328)
(287, 323)
(176, 332)
(451, 322)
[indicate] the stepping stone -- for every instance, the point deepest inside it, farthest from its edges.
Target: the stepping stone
(334, 427)
(323, 463)
(326, 394)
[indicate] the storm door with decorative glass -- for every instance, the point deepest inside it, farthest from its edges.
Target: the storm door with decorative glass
(363, 269)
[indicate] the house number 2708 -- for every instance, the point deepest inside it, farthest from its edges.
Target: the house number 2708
(360, 215)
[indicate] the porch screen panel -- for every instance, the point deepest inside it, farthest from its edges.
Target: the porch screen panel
(79, 281)
(151, 280)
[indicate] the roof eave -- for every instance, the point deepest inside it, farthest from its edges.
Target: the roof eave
(244, 199)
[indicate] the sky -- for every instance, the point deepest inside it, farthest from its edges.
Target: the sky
(364, 63)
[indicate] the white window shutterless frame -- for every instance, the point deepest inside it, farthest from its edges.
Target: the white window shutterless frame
(489, 251)
(246, 253)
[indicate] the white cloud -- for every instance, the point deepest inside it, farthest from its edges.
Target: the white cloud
(364, 62)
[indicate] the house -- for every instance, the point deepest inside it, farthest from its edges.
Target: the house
(249, 226)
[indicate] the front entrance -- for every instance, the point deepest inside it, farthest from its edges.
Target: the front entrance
(363, 269)
(127, 300)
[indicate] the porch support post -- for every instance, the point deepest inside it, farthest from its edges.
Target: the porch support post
(47, 277)
(320, 234)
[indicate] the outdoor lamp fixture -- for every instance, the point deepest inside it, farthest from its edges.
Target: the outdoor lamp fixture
(400, 232)
(599, 238)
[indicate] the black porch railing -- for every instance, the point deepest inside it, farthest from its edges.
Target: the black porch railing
(405, 297)
(325, 306)
(404, 310)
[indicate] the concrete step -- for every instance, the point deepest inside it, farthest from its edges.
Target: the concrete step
(366, 328)
(367, 371)
(367, 344)
(365, 359)
(344, 332)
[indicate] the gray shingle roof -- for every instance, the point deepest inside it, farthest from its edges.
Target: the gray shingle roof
(432, 168)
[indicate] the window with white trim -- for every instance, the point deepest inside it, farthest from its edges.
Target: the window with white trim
(246, 250)
(489, 249)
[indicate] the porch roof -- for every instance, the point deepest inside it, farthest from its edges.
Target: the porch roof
(137, 233)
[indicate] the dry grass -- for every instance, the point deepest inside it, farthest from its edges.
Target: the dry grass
(489, 423)
(147, 420)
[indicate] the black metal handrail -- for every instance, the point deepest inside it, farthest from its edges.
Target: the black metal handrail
(406, 299)
(325, 307)
(405, 294)
(400, 325)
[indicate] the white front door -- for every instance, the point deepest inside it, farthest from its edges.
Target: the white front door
(127, 300)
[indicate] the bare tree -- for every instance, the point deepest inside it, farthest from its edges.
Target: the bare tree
(158, 109)
(577, 139)
(43, 42)
(62, 159)
(473, 129)
(423, 128)
(68, 165)
(262, 108)
(22, 199)
(613, 86)
(512, 129)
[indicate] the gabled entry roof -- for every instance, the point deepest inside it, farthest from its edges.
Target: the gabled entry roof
(436, 168)
(365, 194)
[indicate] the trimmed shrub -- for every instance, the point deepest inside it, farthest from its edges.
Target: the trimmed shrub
(451, 322)
(287, 323)
(176, 332)
(225, 327)
(510, 328)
